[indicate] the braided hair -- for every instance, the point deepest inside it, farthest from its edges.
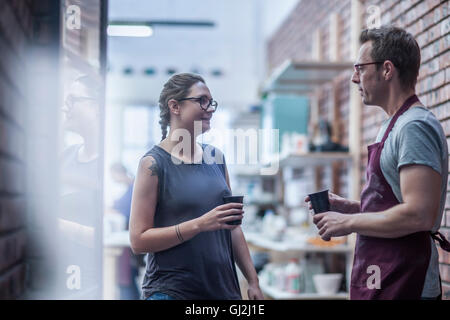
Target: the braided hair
(177, 87)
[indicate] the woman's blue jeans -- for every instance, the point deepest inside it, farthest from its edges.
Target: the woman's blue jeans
(160, 296)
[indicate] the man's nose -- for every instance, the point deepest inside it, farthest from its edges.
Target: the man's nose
(355, 77)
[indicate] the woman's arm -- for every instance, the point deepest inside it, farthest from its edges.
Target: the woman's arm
(144, 237)
(245, 264)
(243, 259)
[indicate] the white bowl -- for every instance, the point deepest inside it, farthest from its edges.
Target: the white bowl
(327, 284)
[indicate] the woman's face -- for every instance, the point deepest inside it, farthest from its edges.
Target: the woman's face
(191, 111)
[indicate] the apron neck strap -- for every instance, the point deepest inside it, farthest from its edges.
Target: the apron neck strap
(408, 103)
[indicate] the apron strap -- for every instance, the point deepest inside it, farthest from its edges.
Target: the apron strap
(443, 242)
(408, 103)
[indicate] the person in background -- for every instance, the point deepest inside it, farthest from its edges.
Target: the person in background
(403, 199)
(178, 216)
(128, 263)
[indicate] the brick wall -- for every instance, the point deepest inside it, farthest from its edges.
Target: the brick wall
(15, 26)
(29, 40)
(427, 20)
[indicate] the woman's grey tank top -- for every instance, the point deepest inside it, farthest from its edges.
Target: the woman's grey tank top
(202, 267)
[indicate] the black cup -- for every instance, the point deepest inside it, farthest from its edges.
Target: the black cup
(319, 201)
(234, 199)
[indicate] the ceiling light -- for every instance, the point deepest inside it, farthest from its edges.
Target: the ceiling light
(129, 31)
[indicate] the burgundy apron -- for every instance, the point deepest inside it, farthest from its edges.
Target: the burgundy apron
(402, 262)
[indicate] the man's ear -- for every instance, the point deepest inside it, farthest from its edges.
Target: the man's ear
(388, 70)
(174, 106)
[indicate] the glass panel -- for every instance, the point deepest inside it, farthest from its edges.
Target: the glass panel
(79, 236)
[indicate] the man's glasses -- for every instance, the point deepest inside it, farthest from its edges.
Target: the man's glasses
(204, 101)
(358, 67)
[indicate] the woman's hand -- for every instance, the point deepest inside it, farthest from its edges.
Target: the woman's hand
(254, 292)
(218, 217)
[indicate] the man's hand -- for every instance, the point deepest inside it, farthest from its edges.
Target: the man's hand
(332, 224)
(338, 204)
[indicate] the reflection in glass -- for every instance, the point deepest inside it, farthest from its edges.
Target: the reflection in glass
(79, 228)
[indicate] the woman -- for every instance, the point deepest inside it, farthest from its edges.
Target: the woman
(177, 214)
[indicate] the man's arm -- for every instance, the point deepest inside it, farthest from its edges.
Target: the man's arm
(421, 190)
(420, 186)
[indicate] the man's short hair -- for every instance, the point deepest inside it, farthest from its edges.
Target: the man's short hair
(398, 46)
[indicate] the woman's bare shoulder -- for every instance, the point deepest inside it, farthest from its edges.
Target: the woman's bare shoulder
(149, 165)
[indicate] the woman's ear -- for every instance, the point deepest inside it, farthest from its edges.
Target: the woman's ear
(174, 106)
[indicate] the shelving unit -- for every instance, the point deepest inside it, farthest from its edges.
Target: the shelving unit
(314, 159)
(297, 247)
(283, 295)
(306, 78)
(303, 78)
(260, 241)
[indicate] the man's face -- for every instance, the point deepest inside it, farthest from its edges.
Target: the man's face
(367, 77)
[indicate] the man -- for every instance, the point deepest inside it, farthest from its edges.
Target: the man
(406, 179)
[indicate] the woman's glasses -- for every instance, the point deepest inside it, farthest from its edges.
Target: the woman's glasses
(204, 101)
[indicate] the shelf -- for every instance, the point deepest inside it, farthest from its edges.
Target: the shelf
(314, 159)
(259, 240)
(262, 203)
(283, 295)
(302, 77)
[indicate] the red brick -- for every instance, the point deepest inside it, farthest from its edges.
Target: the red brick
(445, 291)
(12, 178)
(12, 213)
(12, 283)
(12, 249)
(447, 201)
(444, 256)
(437, 97)
(442, 111)
(439, 79)
(445, 272)
(446, 126)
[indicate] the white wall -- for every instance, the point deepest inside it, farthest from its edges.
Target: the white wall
(235, 45)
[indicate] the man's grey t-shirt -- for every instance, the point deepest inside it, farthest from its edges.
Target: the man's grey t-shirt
(417, 138)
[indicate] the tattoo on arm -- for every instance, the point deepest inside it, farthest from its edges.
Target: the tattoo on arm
(153, 168)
